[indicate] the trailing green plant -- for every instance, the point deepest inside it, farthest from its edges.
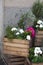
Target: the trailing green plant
(37, 9)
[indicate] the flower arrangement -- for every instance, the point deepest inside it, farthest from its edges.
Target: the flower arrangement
(37, 9)
(17, 33)
(39, 25)
(36, 55)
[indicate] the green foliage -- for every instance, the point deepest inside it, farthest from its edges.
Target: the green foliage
(37, 28)
(38, 59)
(41, 29)
(12, 34)
(9, 33)
(31, 53)
(22, 20)
(23, 35)
(35, 23)
(35, 59)
(37, 9)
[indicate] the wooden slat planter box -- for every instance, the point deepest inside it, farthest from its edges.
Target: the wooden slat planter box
(16, 47)
(37, 63)
(15, 60)
(39, 38)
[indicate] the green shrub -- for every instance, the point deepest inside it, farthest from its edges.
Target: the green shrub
(37, 9)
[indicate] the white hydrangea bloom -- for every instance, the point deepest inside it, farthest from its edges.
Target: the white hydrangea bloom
(17, 33)
(21, 30)
(28, 37)
(37, 26)
(41, 26)
(39, 22)
(13, 29)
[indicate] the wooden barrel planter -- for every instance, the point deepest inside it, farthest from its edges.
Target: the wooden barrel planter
(39, 38)
(16, 47)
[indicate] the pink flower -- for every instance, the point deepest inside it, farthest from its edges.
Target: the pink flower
(31, 29)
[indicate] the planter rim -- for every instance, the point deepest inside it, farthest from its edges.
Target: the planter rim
(15, 39)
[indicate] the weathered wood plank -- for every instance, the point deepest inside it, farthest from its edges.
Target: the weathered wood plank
(16, 49)
(16, 45)
(18, 41)
(15, 53)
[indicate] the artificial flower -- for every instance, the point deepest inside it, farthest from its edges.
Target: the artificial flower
(13, 29)
(31, 29)
(28, 37)
(17, 33)
(21, 30)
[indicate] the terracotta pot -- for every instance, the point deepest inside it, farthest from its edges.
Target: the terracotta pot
(16, 47)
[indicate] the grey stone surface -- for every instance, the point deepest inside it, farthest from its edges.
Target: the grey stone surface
(19, 3)
(12, 16)
(1, 20)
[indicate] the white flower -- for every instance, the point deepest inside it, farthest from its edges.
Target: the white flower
(13, 29)
(41, 26)
(37, 26)
(40, 52)
(37, 48)
(39, 22)
(17, 33)
(21, 30)
(37, 51)
(28, 37)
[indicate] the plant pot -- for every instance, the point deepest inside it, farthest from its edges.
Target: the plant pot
(16, 47)
(37, 63)
(39, 38)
